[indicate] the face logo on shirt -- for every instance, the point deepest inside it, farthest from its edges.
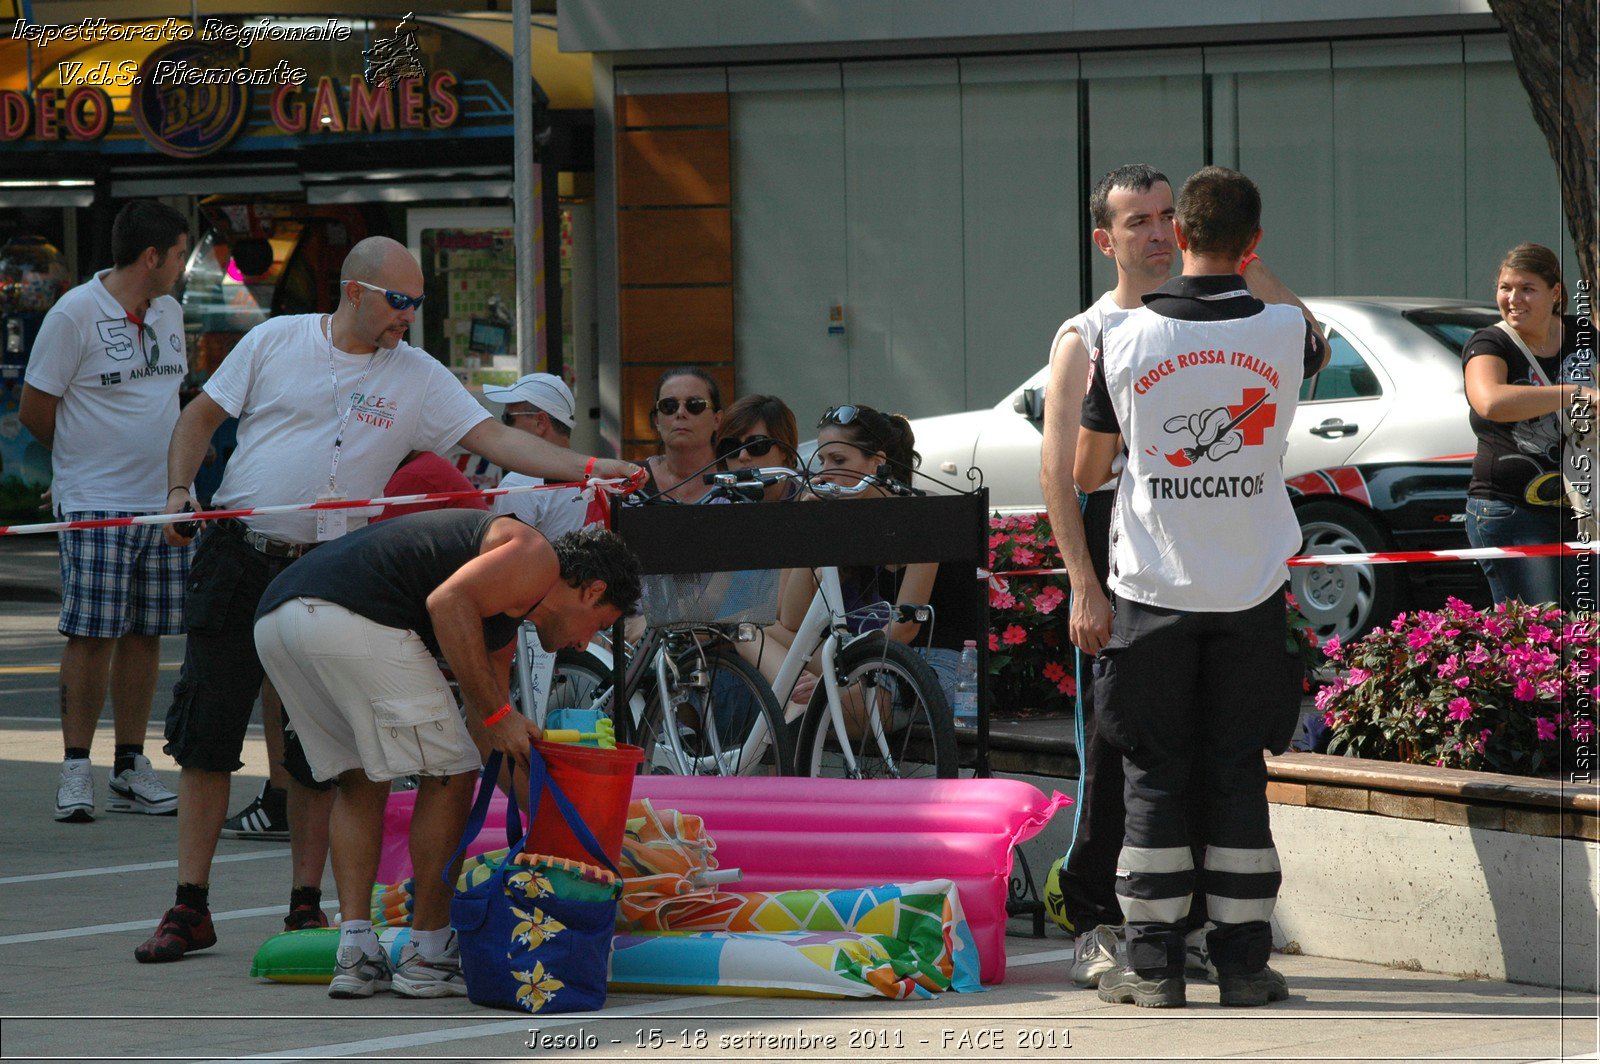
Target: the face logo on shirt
(1222, 430)
(376, 410)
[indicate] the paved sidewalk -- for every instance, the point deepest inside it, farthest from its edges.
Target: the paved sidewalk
(76, 899)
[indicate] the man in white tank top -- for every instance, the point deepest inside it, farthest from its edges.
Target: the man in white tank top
(1192, 681)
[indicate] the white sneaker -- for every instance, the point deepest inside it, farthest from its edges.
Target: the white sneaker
(358, 975)
(1098, 951)
(416, 976)
(75, 793)
(1197, 955)
(140, 790)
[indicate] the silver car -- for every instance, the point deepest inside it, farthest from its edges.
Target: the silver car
(1378, 456)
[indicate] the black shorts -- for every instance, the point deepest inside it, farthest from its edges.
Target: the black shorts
(215, 695)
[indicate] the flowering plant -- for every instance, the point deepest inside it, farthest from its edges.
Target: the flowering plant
(1464, 688)
(1030, 649)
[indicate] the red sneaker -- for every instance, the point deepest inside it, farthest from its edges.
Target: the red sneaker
(181, 930)
(303, 917)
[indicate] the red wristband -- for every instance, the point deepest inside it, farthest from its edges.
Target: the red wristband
(588, 468)
(497, 716)
(1244, 263)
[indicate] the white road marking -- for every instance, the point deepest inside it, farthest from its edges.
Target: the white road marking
(78, 873)
(138, 925)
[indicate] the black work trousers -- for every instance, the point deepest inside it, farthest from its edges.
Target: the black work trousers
(1191, 700)
(1089, 873)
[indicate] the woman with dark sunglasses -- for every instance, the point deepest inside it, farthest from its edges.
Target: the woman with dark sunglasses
(760, 430)
(686, 416)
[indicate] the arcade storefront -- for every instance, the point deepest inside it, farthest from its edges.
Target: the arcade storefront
(268, 134)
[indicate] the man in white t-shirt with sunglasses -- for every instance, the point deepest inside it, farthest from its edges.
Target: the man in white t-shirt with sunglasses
(328, 406)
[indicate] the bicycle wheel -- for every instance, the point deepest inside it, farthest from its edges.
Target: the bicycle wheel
(579, 678)
(727, 719)
(897, 720)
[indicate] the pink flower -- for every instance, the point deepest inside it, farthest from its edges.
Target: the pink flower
(1049, 599)
(1333, 648)
(1023, 557)
(1546, 729)
(1001, 601)
(1329, 693)
(1419, 638)
(1014, 635)
(1478, 655)
(1462, 681)
(1460, 709)
(1525, 691)
(1067, 686)
(998, 539)
(1582, 729)
(994, 642)
(1421, 710)
(1359, 676)
(1448, 669)
(1398, 623)
(1053, 671)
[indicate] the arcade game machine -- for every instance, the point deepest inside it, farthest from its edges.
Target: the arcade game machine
(33, 275)
(259, 258)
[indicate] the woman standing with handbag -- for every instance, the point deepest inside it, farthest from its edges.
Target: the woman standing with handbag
(1522, 382)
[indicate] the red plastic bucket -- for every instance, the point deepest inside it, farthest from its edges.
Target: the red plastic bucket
(599, 783)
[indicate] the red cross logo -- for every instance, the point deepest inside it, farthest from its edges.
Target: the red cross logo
(1254, 427)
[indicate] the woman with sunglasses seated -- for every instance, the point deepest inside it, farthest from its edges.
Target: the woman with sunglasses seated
(686, 416)
(759, 430)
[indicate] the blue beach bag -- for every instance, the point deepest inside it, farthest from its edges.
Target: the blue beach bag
(533, 940)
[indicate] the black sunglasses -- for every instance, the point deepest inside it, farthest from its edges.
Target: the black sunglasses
(757, 446)
(397, 300)
(152, 353)
(669, 406)
(839, 415)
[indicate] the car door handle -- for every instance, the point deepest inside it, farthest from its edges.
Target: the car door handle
(1334, 427)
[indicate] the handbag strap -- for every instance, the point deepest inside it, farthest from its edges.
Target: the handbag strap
(1539, 375)
(538, 778)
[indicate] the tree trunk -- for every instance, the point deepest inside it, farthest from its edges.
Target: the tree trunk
(1553, 46)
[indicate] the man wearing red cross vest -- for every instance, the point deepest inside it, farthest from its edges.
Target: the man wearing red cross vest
(1193, 672)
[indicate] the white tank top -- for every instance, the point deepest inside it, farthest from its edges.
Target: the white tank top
(1202, 520)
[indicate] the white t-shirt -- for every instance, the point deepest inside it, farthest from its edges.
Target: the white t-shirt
(1090, 326)
(119, 398)
(277, 383)
(1202, 520)
(555, 511)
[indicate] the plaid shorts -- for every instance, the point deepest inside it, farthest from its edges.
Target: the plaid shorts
(116, 581)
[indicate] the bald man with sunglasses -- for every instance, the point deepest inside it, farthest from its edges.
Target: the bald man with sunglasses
(328, 406)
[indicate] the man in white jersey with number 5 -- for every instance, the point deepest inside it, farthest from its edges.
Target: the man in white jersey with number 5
(1192, 679)
(328, 406)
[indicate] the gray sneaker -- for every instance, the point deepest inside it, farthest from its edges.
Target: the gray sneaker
(75, 793)
(1253, 990)
(416, 976)
(357, 975)
(1097, 951)
(1197, 955)
(1124, 986)
(140, 790)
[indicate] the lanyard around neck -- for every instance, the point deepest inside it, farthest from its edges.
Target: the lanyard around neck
(344, 418)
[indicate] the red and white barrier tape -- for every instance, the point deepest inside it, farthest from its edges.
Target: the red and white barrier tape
(1387, 557)
(610, 485)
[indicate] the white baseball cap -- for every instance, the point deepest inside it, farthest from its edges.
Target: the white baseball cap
(544, 390)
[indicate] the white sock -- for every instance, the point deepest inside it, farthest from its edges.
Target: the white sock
(358, 933)
(433, 945)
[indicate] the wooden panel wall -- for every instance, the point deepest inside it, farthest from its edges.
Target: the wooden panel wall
(674, 248)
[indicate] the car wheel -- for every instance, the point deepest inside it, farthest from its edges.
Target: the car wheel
(1344, 600)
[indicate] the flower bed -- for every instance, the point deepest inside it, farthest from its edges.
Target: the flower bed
(1030, 651)
(1465, 688)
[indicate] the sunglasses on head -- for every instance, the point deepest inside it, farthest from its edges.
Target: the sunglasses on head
(669, 406)
(757, 446)
(839, 415)
(397, 300)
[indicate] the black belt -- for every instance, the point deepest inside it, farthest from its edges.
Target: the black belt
(272, 548)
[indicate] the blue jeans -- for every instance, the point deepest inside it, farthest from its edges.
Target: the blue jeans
(1495, 523)
(946, 665)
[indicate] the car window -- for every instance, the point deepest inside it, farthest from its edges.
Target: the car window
(1346, 376)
